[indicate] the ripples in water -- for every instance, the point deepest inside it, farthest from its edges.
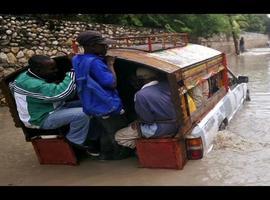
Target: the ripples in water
(241, 153)
(256, 52)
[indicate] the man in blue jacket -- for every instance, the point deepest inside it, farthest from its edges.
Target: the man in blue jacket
(96, 86)
(95, 73)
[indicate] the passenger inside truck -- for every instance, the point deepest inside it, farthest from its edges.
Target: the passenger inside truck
(154, 120)
(128, 84)
(214, 83)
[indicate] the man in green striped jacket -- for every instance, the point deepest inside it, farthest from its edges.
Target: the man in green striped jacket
(41, 102)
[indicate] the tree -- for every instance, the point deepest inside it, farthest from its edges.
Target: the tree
(255, 23)
(234, 29)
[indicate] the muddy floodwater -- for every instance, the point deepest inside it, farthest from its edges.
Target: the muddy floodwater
(240, 156)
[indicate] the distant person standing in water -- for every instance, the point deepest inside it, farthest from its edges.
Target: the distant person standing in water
(268, 43)
(242, 45)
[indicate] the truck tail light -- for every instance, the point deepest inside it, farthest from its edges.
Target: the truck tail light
(194, 147)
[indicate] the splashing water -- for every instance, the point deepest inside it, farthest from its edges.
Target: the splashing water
(229, 140)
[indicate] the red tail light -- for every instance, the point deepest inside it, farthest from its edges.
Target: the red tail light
(194, 147)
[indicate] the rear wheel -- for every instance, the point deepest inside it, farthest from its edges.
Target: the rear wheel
(248, 96)
(223, 124)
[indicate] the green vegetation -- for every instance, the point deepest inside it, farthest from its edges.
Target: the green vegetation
(197, 25)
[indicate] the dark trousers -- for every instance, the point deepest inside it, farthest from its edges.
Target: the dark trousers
(106, 129)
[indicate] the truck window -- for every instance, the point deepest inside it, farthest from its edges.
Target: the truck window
(215, 83)
(232, 80)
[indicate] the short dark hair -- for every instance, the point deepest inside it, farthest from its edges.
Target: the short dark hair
(37, 61)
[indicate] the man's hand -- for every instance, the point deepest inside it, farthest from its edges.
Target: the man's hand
(110, 60)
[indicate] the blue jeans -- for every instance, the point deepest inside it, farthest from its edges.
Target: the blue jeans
(70, 113)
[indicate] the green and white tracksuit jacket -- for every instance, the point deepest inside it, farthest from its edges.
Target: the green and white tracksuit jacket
(36, 99)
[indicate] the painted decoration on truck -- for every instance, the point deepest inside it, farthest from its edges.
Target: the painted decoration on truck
(185, 56)
(208, 127)
(192, 81)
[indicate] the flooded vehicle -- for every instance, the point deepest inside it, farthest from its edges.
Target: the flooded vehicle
(240, 154)
(195, 74)
(186, 66)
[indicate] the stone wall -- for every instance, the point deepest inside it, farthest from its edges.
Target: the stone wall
(21, 37)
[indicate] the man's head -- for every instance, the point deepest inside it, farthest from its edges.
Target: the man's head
(43, 66)
(93, 42)
(145, 75)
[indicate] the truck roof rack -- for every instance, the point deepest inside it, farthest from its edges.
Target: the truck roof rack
(151, 43)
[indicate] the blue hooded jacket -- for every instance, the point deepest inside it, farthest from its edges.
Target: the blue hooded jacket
(95, 85)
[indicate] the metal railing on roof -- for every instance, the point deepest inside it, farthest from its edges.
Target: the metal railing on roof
(151, 43)
(147, 43)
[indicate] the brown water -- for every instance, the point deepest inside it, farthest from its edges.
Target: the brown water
(241, 154)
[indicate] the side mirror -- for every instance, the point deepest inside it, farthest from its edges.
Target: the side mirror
(242, 79)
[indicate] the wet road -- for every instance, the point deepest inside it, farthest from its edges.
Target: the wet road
(241, 154)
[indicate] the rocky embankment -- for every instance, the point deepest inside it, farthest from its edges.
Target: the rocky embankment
(23, 36)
